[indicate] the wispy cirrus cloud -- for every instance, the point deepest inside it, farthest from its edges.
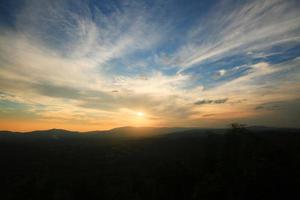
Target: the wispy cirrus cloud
(232, 28)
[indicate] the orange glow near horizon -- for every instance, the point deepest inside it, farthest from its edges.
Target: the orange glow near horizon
(135, 119)
(25, 126)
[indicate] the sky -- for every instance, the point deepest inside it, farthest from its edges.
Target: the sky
(94, 65)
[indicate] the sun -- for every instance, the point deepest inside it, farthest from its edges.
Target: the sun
(140, 114)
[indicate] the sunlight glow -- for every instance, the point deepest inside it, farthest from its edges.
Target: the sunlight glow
(140, 114)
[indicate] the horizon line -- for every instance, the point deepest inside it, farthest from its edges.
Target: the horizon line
(153, 127)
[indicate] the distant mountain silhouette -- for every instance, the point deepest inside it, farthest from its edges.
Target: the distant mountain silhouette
(121, 132)
(131, 132)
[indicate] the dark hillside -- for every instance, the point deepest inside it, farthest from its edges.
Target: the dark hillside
(189, 164)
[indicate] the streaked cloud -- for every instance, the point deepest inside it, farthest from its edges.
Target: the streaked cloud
(209, 101)
(233, 28)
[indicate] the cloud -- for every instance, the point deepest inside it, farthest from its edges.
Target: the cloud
(272, 107)
(84, 31)
(57, 91)
(155, 84)
(220, 73)
(251, 26)
(209, 101)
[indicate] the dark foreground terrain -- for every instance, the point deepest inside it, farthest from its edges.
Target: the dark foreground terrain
(253, 163)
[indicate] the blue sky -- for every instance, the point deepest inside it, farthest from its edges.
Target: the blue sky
(88, 65)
